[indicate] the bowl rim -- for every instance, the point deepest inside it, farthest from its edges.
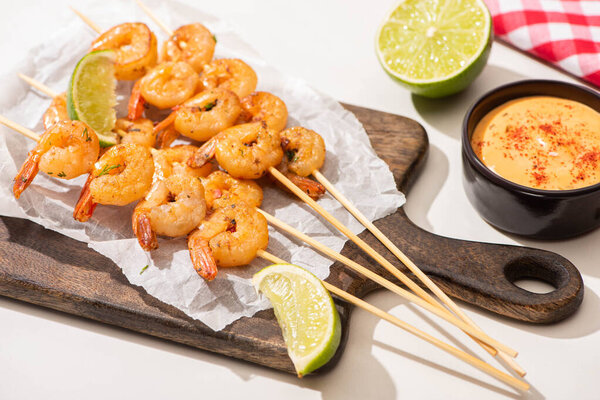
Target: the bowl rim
(497, 179)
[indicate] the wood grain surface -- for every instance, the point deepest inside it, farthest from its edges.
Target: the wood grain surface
(45, 268)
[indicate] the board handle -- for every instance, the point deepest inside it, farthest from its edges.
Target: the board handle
(482, 274)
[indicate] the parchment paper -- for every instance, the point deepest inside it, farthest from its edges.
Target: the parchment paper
(351, 165)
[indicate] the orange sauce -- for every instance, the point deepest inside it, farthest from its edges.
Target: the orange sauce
(541, 142)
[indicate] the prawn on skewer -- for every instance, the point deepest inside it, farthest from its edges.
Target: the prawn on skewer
(264, 106)
(304, 152)
(135, 49)
(173, 207)
(222, 190)
(122, 175)
(245, 151)
(192, 43)
(65, 151)
(166, 85)
(201, 117)
(56, 112)
(173, 161)
(229, 73)
(230, 237)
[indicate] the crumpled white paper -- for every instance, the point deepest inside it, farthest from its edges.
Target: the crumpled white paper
(351, 165)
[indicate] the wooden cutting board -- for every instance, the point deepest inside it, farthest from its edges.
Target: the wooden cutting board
(45, 268)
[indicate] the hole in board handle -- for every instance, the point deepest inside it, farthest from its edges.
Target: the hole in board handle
(536, 274)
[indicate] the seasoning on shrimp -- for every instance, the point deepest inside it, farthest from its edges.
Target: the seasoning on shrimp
(304, 152)
(264, 106)
(245, 151)
(200, 118)
(135, 49)
(140, 131)
(168, 84)
(66, 150)
(173, 207)
(191, 43)
(122, 175)
(173, 161)
(222, 190)
(57, 111)
(229, 73)
(230, 237)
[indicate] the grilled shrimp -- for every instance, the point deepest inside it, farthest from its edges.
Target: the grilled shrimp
(222, 190)
(168, 84)
(66, 150)
(229, 73)
(140, 131)
(122, 175)
(264, 106)
(230, 237)
(173, 161)
(191, 43)
(56, 112)
(174, 206)
(135, 49)
(201, 117)
(304, 152)
(246, 151)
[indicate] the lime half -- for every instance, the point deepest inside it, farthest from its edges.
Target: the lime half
(91, 96)
(305, 312)
(435, 47)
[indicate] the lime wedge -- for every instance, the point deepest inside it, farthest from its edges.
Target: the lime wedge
(435, 48)
(91, 95)
(305, 312)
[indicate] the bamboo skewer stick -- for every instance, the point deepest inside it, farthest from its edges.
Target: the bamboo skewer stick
(409, 264)
(21, 129)
(155, 18)
(38, 85)
(88, 21)
(362, 244)
(439, 311)
(477, 363)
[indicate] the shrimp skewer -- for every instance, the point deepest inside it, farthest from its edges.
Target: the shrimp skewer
(65, 151)
(264, 106)
(230, 237)
(192, 43)
(134, 45)
(201, 117)
(122, 175)
(173, 161)
(173, 207)
(245, 151)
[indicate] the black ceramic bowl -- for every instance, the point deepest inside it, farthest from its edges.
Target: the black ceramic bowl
(534, 213)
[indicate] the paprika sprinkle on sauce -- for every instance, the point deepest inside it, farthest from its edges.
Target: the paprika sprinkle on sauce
(541, 142)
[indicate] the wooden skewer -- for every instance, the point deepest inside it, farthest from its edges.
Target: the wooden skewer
(88, 21)
(439, 311)
(155, 18)
(477, 363)
(21, 129)
(361, 243)
(409, 264)
(38, 85)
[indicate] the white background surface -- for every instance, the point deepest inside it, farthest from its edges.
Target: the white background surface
(46, 354)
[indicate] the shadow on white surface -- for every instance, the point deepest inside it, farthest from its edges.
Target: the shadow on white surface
(361, 379)
(447, 114)
(436, 170)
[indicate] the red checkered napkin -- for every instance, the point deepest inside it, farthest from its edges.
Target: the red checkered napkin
(565, 33)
